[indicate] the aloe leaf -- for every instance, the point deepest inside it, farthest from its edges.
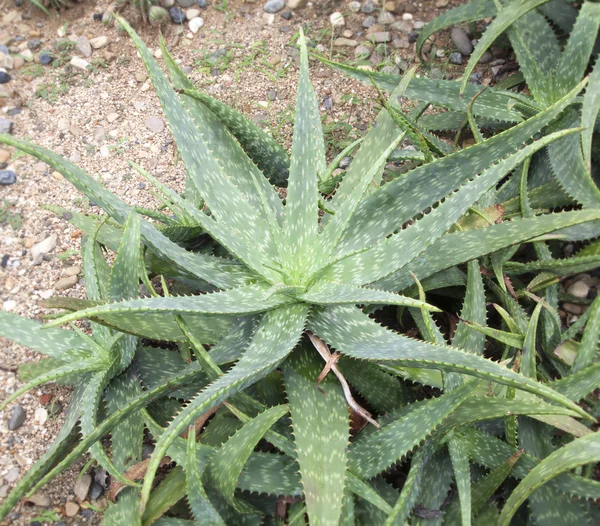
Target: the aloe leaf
(528, 361)
(511, 339)
(585, 450)
(321, 428)
(64, 371)
(504, 19)
(462, 475)
(410, 490)
(470, 12)
(379, 388)
(205, 168)
(339, 294)
(278, 332)
(226, 465)
(491, 452)
(492, 104)
(589, 113)
(307, 161)
(369, 494)
(474, 311)
(483, 489)
(220, 272)
(579, 385)
(558, 267)
(399, 249)
(202, 509)
(355, 334)
(578, 50)
(266, 152)
(124, 281)
(387, 209)
(569, 167)
(283, 477)
(538, 52)
(590, 341)
(373, 453)
(243, 300)
(51, 342)
(435, 486)
(455, 248)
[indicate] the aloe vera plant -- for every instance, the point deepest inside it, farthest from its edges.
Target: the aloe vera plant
(236, 343)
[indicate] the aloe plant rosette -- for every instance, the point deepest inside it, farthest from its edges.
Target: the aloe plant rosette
(283, 292)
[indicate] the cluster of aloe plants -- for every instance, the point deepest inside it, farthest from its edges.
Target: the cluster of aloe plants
(285, 355)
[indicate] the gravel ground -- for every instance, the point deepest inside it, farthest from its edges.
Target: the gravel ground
(102, 118)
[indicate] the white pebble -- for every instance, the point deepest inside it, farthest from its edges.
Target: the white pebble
(196, 23)
(337, 19)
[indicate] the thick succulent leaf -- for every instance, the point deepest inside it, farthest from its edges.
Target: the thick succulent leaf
(558, 267)
(412, 485)
(209, 171)
(32, 334)
(55, 452)
(580, 384)
(492, 104)
(589, 113)
(220, 272)
(373, 453)
(491, 452)
(576, 53)
(380, 136)
(474, 311)
(168, 493)
(266, 152)
(455, 248)
(399, 249)
(459, 456)
(504, 19)
(401, 200)
(272, 474)
(590, 341)
(277, 334)
(384, 392)
(569, 167)
(585, 450)
(561, 13)
(529, 356)
(243, 300)
(483, 489)
(321, 427)
(200, 505)
(327, 293)
(307, 161)
(435, 486)
(368, 493)
(226, 465)
(470, 12)
(538, 53)
(124, 277)
(353, 333)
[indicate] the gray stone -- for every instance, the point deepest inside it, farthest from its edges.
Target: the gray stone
(390, 70)
(476, 78)
(362, 52)
(202, 3)
(6, 126)
(368, 7)
(82, 487)
(154, 124)
(385, 18)
(400, 43)
(274, 6)
(413, 37)
(43, 247)
(17, 418)
(4, 77)
(461, 40)
(34, 43)
(39, 499)
(177, 15)
(368, 22)
(46, 58)
(186, 3)
(485, 58)
(381, 37)
(345, 162)
(12, 475)
(455, 58)
(345, 42)
(96, 491)
(7, 177)
(66, 283)
(83, 47)
(404, 26)
(5, 50)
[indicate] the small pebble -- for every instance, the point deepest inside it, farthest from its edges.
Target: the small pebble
(82, 487)
(40, 416)
(96, 491)
(202, 3)
(274, 6)
(579, 289)
(71, 509)
(337, 19)
(368, 22)
(66, 283)
(177, 15)
(368, 7)
(79, 63)
(12, 475)
(154, 124)
(17, 417)
(34, 43)
(287, 15)
(7, 177)
(195, 24)
(485, 58)
(461, 40)
(4, 77)
(354, 6)
(46, 58)
(455, 58)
